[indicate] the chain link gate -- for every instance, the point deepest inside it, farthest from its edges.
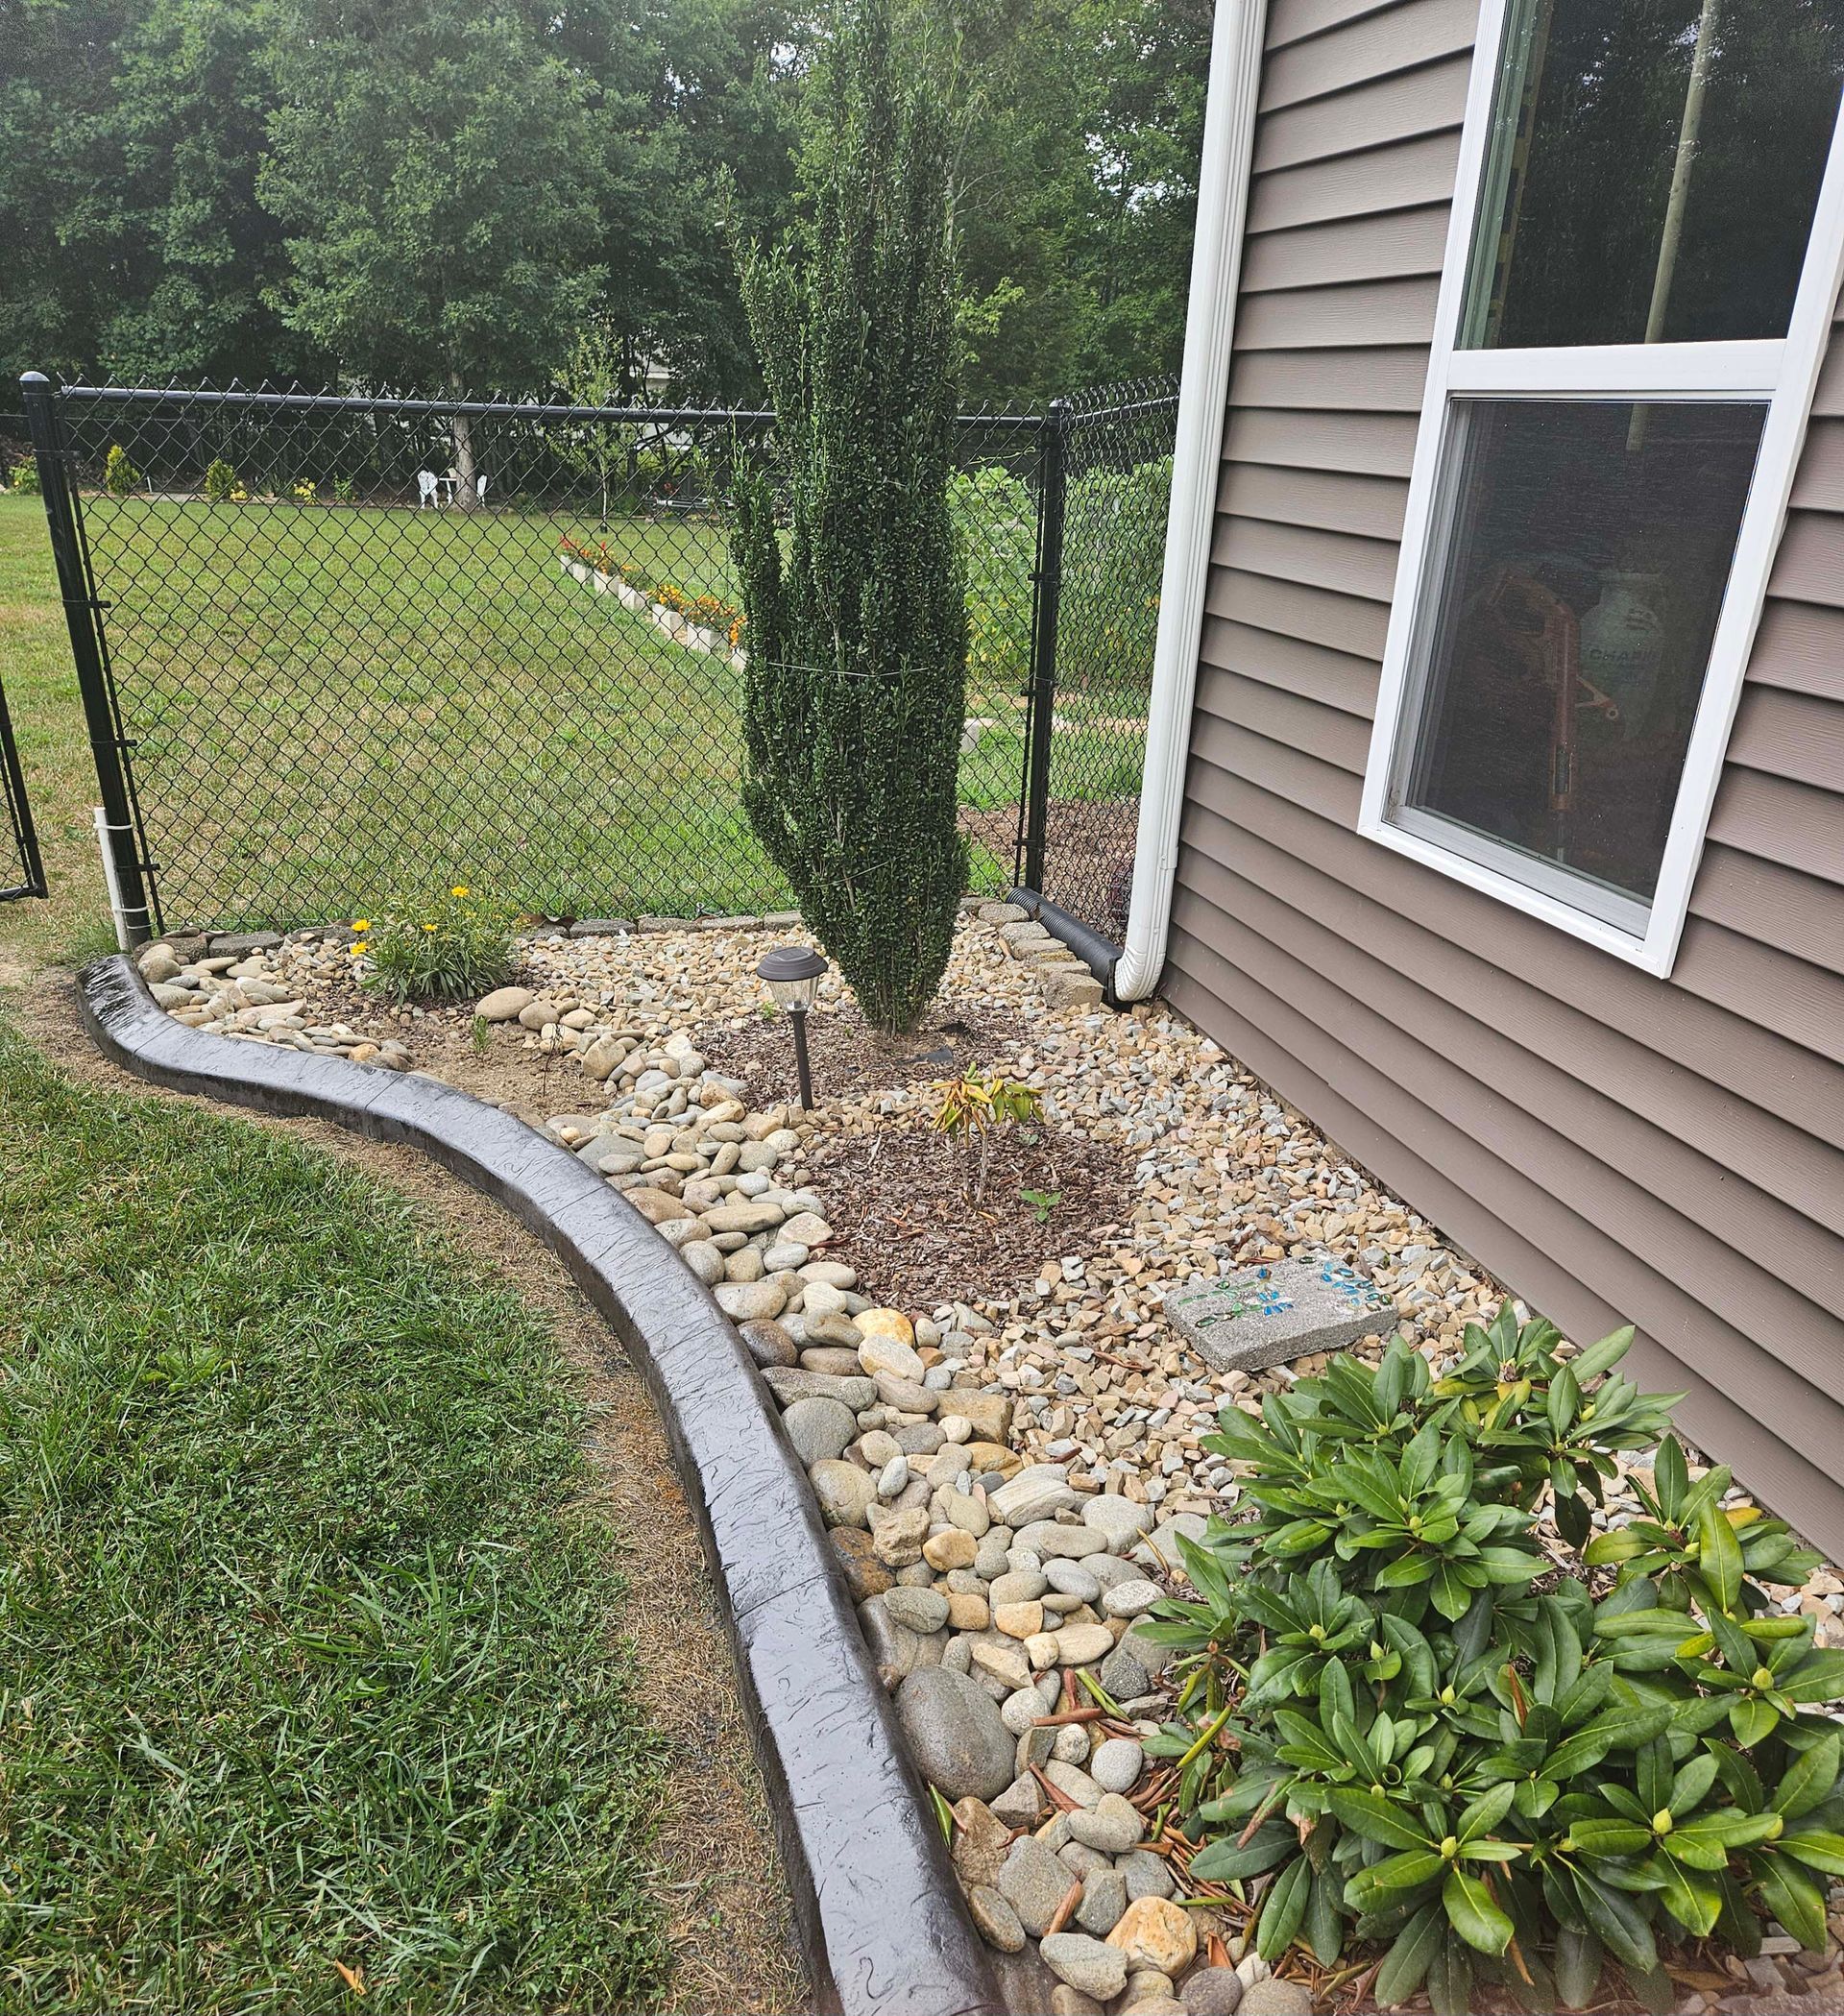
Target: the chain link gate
(22, 869)
(1107, 488)
(22, 873)
(334, 648)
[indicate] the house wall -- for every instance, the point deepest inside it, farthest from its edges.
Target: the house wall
(1613, 1146)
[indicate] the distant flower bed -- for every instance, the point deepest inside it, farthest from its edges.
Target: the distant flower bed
(705, 611)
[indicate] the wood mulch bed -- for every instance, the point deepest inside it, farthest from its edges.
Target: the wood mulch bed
(849, 1056)
(898, 1203)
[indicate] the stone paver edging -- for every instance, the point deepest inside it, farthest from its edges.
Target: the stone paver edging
(878, 1909)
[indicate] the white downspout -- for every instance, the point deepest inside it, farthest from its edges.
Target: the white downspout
(1215, 269)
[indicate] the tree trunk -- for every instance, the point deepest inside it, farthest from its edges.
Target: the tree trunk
(466, 491)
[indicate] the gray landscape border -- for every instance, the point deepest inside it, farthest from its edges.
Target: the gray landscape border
(878, 1911)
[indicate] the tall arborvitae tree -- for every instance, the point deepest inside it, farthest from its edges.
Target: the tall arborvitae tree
(856, 689)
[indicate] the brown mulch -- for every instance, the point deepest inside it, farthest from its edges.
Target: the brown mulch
(848, 1056)
(900, 1215)
(1089, 852)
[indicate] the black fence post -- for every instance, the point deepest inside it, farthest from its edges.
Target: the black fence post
(1047, 585)
(81, 611)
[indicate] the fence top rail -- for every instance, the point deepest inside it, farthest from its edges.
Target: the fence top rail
(1084, 416)
(500, 409)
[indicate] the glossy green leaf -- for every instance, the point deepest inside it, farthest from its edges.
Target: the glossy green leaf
(1794, 1899)
(1379, 1884)
(1670, 1477)
(1816, 1848)
(1222, 1861)
(1405, 1965)
(1370, 1814)
(1472, 1913)
(1283, 1909)
(1720, 1557)
(1617, 1920)
(1577, 1960)
(1692, 1902)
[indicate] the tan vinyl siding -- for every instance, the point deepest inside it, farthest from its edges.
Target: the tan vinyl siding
(1611, 1145)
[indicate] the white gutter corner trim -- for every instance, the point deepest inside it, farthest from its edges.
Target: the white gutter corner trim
(1204, 391)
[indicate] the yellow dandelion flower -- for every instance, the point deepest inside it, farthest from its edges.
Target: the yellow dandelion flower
(459, 889)
(429, 927)
(361, 924)
(355, 950)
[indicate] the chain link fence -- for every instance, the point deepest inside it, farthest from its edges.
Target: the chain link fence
(344, 648)
(1106, 487)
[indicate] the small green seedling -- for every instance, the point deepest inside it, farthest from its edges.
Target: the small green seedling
(1042, 1203)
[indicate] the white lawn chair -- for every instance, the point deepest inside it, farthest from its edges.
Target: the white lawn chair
(426, 481)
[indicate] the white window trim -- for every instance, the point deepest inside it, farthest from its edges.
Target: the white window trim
(1785, 372)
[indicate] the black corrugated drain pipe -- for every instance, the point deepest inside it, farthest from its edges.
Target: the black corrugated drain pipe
(1097, 953)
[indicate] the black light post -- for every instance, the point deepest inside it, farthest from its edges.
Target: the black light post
(792, 975)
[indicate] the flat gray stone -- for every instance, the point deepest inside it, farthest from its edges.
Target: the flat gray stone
(1035, 1882)
(1269, 1315)
(1146, 1876)
(1085, 1964)
(922, 1610)
(1104, 1903)
(1035, 1492)
(788, 1384)
(1114, 1826)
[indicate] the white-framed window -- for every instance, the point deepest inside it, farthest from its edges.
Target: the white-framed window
(1641, 266)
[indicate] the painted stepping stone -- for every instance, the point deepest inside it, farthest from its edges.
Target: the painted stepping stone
(1268, 1314)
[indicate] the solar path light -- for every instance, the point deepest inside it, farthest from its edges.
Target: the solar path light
(792, 974)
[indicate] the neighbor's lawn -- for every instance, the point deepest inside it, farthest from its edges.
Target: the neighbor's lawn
(48, 719)
(326, 703)
(308, 1687)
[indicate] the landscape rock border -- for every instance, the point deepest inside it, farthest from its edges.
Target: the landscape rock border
(878, 1909)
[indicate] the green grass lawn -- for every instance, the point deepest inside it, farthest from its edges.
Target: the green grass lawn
(305, 1653)
(330, 705)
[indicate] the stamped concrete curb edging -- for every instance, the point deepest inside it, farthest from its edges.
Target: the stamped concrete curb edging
(877, 1907)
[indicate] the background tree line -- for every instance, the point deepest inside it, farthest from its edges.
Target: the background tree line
(503, 194)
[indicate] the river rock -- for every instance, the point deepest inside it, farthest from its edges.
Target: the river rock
(818, 1428)
(995, 1919)
(1116, 1764)
(504, 1004)
(1131, 1599)
(1155, 1933)
(1104, 1900)
(879, 1354)
(1035, 1492)
(788, 1384)
(1276, 1997)
(954, 1735)
(1085, 1964)
(1114, 1826)
(1213, 1991)
(845, 1493)
(981, 1841)
(1119, 1520)
(656, 1206)
(1034, 1883)
(922, 1610)
(768, 1342)
(866, 1576)
(897, 1531)
(741, 1299)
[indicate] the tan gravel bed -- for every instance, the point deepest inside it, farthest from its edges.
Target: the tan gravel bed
(1003, 1468)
